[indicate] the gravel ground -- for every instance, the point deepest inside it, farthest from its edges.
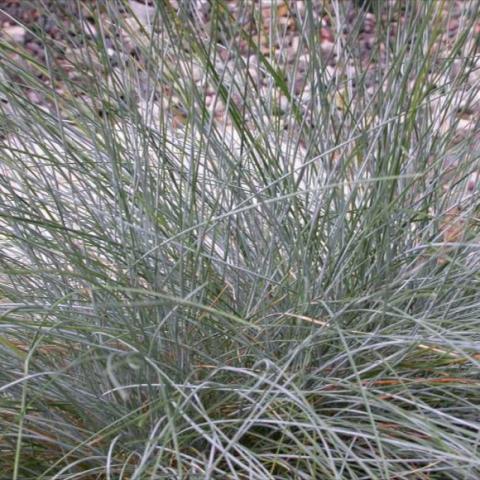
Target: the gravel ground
(51, 25)
(273, 25)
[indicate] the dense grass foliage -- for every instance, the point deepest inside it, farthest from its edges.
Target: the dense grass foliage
(203, 275)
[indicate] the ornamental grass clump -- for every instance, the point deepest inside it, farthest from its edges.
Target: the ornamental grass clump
(240, 241)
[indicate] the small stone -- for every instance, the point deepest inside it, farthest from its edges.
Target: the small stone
(35, 48)
(300, 7)
(304, 62)
(474, 76)
(473, 181)
(197, 73)
(144, 13)
(224, 54)
(453, 26)
(208, 100)
(217, 106)
(457, 68)
(253, 60)
(232, 65)
(330, 72)
(327, 48)
(179, 120)
(326, 35)
(253, 73)
(89, 29)
(369, 23)
(306, 95)
(33, 96)
(265, 91)
(283, 104)
(282, 10)
(464, 124)
(291, 55)
(299, 86)
(15, 33)
(295, 43)
(350, 72)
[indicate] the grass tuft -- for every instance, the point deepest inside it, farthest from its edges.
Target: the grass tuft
(226, 257)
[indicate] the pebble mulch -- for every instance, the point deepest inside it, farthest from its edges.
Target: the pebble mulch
(274, 26)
